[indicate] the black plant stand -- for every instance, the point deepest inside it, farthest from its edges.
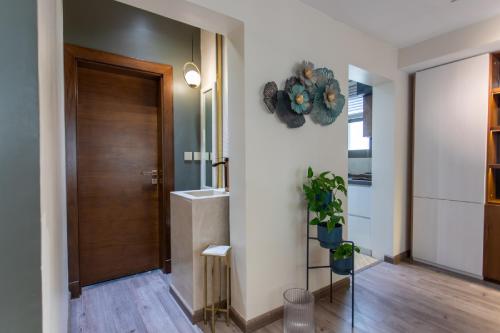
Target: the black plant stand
(332, 251)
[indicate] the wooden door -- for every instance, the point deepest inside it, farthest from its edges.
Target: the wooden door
(117, 140)
(119, 165)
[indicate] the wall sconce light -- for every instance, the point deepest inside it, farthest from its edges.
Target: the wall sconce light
(192, 74)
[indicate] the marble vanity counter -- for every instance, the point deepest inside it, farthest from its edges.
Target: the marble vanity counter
(197, 219)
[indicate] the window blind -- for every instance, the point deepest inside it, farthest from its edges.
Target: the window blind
(355, 107)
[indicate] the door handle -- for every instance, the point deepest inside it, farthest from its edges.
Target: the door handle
(150, 173)
(153, 174)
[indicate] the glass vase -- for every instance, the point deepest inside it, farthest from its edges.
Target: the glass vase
(298, 311)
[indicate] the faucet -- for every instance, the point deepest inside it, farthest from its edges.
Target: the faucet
(225, 161)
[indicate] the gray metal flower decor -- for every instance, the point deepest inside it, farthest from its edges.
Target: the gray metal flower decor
(312, 91)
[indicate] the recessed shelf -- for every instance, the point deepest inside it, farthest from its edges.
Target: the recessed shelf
(494, 201)
(495, 129)
(495, 91)
(494, 166)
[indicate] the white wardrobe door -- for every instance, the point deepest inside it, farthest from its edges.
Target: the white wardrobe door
(425, 226)
(449, 233)
(451, 109)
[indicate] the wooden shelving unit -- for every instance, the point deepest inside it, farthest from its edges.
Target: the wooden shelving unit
(491, 264)
(493, 168)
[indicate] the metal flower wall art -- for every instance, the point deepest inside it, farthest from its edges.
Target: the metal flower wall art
(313, 92)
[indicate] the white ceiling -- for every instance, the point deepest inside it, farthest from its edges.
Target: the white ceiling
(406, 22)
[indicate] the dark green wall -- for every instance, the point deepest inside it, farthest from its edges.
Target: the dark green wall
(117, 28)
(20, 249)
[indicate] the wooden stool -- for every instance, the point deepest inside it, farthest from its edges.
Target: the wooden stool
(218, 254)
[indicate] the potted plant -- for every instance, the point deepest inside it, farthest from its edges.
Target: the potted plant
(341, 260)
(321, 195)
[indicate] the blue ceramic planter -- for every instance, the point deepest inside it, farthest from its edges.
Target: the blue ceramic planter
(329, 240)
(328, 199)
(342, 266)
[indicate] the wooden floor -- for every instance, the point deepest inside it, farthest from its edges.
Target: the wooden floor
(362, 261)
(389, 298)
(139, 303)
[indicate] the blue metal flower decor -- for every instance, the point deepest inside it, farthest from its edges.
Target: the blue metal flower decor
(312, 91)
(299, 98)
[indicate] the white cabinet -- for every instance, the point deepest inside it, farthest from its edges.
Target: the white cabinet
(449, 233)
(359, 200)
(359, 225)
(451, 110)
(451, 120)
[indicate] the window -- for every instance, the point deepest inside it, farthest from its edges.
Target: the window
(358, 145)
(356, 140)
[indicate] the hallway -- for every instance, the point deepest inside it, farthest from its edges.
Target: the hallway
(389, 298)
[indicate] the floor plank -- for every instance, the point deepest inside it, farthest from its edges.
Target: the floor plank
(136, 304)
(389, 299)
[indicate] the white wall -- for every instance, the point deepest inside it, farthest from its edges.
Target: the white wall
(482, 37)
(383, 168)
(55, 295)
(208, 60)
(400, 115)
(277, 157)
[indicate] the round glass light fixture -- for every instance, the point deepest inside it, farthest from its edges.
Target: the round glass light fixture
(191, 72)
(192, 75)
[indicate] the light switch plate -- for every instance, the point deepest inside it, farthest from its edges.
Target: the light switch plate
(197, 156)
(188, 156)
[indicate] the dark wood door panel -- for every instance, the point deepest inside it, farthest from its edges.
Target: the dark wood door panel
(117, 138)
(120, 84)
(119, 122)
(492, 243)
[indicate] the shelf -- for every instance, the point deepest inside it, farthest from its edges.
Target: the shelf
(494, 166)
(495, 202)
(495, 91)
(495, 129)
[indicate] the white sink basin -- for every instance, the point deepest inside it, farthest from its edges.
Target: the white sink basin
(202, 194)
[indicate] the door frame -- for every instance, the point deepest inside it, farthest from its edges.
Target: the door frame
(72, 56)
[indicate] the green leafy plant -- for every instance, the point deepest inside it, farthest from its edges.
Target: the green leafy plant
(344, 251)
(317, 190)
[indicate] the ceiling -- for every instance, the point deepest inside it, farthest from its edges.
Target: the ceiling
(407, 22)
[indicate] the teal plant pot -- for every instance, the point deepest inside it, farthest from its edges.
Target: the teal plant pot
(342, 266)
(328, 199)
(329, 240)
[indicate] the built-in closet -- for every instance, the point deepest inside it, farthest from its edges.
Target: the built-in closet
(450, 166)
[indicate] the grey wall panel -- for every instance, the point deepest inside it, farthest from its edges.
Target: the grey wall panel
(117, 28)
(20, 258)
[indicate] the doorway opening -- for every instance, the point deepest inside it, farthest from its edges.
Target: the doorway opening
(360, 168)
(371, 181)
(136, 32)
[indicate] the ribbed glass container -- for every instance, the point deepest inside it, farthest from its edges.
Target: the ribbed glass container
(298, 311)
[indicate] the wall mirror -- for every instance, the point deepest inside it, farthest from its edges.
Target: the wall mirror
(208, 139)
